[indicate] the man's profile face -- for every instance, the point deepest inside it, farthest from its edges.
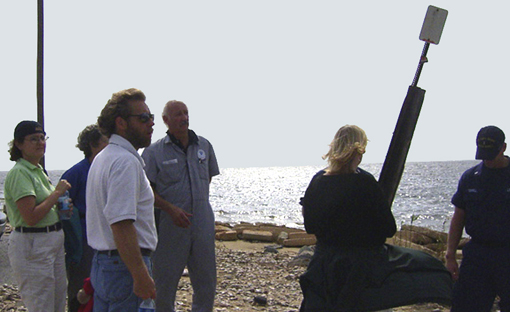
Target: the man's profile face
(177, 118)
(139, 130)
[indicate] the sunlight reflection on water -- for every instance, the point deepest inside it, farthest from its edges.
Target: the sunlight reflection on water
(271, 194)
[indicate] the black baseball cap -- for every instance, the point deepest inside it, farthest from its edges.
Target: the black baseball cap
(489, 142)
(27, 127)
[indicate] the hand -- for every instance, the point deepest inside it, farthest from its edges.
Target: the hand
(180, 217)
(62, 187)
(453, 267)
(144, 287)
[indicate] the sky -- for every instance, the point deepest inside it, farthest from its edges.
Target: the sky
(268, 83)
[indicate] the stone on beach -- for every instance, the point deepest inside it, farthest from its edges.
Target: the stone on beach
(285, 236)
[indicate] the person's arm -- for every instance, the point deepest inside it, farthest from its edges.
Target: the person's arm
(32, 213)
(454, 236)
(178, 215)
(124, 235)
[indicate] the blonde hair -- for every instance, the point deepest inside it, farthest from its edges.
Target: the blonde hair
(348, 142)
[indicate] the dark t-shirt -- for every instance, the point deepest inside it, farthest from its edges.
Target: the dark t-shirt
(347, 210)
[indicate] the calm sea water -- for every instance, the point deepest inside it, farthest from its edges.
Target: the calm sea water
(271, 194)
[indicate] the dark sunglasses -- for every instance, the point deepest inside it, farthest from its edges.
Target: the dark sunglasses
(144, 117)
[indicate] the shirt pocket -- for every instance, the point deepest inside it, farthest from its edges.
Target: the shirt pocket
(203, 170)
(171, 171)
(472, 196)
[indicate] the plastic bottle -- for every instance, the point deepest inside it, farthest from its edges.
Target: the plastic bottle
(148, 305)
(63, 206)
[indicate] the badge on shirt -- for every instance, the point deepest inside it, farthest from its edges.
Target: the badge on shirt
(201, 155)
(170, 161)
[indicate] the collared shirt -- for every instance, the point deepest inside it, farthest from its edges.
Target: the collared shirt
(117, 190)
(192, 137)
(182, 177)
(484, 194)
(26, 179)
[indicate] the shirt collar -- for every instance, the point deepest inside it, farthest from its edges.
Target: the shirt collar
(28, 164)
(193, 138)
(116, 139)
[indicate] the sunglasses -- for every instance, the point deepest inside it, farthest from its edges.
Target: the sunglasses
(144, 117)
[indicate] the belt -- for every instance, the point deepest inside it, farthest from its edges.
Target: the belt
(50, 228)
(114, 252)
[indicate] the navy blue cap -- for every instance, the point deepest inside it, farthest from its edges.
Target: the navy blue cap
(489, 142)
(27, 127)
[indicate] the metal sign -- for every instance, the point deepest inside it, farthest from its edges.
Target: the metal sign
(433, 25)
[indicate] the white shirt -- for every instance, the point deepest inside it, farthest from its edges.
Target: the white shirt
(117, 190)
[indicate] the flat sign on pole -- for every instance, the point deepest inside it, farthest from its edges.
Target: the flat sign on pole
(393, 167)
(433, 25)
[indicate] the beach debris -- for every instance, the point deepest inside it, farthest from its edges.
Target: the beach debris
(303, 257)
(260, 300)
(272, 248)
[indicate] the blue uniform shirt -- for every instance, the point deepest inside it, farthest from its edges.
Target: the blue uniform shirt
(484, 194)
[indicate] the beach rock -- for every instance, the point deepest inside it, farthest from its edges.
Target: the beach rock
(272, 248)
(277, 230)
(263, 236)
(299, 239)
(303, 257)
(260, 300)
(227, 235)
(244, 226)
(221, 228)
(281, 237)
(299, 242)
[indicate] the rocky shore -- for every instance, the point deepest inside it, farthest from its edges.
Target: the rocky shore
(262, 275)
(250, 278)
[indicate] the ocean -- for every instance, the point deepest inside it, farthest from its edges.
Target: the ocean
(271, 194)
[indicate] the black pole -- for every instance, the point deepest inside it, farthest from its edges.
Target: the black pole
(393, 166)
(40, 65)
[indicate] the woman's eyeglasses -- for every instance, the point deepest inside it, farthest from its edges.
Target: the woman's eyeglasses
(36, 139)
(144, 117)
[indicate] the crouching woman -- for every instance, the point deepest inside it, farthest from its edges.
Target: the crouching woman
(352, 268)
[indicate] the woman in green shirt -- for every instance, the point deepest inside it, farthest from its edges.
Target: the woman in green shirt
(36, 246)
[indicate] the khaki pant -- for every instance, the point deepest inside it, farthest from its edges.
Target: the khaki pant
(38, 264)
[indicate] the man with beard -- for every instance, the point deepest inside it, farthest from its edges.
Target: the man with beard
(180, 167)
(120, 207)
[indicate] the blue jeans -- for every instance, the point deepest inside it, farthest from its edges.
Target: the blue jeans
(113, 284)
